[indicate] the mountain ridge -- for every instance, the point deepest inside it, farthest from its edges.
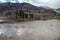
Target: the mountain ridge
(26, 7)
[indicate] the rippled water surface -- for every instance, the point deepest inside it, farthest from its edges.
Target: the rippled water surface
(32, 30)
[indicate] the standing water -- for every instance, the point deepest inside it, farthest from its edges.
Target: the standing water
(32, 30)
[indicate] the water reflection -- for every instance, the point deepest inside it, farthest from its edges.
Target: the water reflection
(32, 29)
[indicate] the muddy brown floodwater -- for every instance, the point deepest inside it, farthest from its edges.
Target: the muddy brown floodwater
(32, 30)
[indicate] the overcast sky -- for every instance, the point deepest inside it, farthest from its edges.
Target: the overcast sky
(50, 3)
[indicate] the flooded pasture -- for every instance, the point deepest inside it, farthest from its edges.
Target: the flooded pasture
(32, 30)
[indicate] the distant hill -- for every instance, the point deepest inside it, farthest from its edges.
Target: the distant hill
(58, 9)
(5, 9)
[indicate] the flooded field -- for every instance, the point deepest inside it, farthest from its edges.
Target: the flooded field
(31, 30)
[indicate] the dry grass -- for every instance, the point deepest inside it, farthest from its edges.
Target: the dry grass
(6, 38)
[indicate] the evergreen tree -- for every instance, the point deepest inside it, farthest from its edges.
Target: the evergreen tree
(20, 14)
